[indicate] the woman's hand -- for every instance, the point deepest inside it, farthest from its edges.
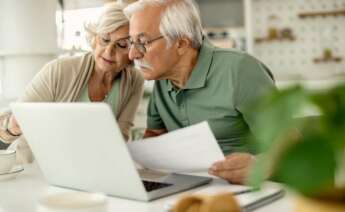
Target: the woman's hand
(13, 127)
(9, 129)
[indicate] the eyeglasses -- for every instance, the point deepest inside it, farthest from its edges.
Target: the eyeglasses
(121, 44)
(141, 45)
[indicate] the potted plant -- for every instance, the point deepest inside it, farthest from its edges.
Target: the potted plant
(305, 154)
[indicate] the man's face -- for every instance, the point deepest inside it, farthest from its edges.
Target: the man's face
(153, 59)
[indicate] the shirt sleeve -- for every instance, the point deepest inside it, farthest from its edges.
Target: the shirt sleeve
(253, 81)
(126, 118)
(154, 120)
(41, 87)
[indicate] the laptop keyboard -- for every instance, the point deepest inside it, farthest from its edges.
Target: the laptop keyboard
(150, 186)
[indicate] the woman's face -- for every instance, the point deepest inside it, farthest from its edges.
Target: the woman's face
(111, 50)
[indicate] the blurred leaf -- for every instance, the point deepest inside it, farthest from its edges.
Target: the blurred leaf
(257, 174)
(332, 104)
(309, 161)
(309, 166)
(274, 117)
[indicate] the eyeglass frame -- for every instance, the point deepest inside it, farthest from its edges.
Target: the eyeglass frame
(114, 44)
(141, 47)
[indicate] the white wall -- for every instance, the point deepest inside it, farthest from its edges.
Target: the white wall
(222, 13)
(28, 41)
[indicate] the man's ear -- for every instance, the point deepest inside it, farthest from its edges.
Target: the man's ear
(183, 44)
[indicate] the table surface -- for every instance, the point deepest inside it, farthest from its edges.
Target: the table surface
(23, 192)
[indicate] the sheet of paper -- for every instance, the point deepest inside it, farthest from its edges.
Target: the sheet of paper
(189, 149)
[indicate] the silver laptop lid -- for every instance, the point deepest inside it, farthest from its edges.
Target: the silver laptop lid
(79, 145)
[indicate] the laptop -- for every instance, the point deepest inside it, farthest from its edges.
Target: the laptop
(80, 146)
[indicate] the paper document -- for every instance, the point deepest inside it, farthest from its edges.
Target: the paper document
(186, 150)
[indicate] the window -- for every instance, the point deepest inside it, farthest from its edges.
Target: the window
(71, 33)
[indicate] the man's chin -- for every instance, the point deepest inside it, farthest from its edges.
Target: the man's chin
(147, 74)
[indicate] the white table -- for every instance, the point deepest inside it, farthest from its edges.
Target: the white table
(22, 193)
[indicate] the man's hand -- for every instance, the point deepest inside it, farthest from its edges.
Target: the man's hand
(235, 168)
(154, 132)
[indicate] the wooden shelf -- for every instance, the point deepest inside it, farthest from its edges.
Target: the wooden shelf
(267, 39)
(326, 60)
(285, 34)
(321, 13)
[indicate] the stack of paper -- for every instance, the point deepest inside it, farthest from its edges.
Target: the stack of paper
(253, 200)
(191, 149)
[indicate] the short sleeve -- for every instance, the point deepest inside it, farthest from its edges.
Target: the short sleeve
(154, 120)
(253, 81)
(127, 114)
(41, 87)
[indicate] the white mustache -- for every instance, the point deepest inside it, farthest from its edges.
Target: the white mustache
(141, 64)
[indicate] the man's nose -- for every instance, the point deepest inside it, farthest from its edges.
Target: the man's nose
(134, 53)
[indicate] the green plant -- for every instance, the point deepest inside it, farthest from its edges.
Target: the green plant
(308, 155)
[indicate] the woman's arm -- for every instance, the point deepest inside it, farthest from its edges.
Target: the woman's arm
(126, 118)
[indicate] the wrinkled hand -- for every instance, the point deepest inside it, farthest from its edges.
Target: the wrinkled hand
(13, 126)
(235, 168)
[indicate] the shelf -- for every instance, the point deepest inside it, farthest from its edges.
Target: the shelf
(328, 57)
(326, 60)
(321, 13)
(267, 40)
(285, 34)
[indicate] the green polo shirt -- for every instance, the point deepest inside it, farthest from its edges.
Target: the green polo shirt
(222, 85)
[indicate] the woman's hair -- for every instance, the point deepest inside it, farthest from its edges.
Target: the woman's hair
(110, 20)
(181, 18)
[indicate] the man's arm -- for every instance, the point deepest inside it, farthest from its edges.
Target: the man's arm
(154, 132)
(252, 81)
(155, 124)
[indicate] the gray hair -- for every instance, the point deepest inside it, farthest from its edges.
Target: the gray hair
(180, 19)
(110, 20)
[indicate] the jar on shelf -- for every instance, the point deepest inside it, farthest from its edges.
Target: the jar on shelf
(327, 42)
(273, 27)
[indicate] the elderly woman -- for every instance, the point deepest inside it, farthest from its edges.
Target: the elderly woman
(103, 75)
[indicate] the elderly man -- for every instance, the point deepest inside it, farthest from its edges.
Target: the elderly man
(195, 81)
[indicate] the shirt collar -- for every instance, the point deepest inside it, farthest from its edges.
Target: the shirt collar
(199, 73)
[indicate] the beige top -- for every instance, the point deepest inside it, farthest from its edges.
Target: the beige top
(63, 79)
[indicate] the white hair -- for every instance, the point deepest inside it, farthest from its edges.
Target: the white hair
(181, 18)
(110, 20)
